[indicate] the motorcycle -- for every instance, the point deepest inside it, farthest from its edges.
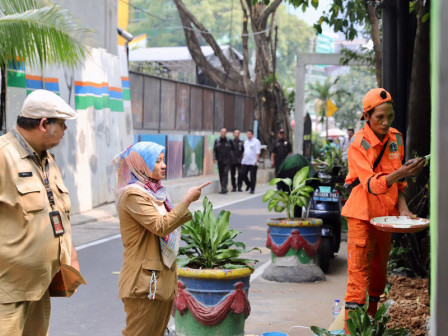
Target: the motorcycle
(325, 204)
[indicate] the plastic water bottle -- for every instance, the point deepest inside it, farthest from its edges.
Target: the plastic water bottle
(336, 309)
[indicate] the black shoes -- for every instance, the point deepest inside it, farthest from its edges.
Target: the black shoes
(240, 190)
(223, 192)
(251, 192)
(247, 188)
(234, 189)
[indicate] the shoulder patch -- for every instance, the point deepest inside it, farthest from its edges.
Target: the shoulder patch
(365, 144)
(399, 139)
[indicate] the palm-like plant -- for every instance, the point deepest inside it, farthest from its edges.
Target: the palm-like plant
(39, 33)
(210, 243)
(324, 92)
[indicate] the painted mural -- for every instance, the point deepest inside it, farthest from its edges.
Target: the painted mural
(193, 155)
(209, 166)
(175, 154)
(157, 138)
(99, 91)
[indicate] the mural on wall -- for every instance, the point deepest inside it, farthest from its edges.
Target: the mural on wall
(193, 155)
(174, 156)
(159, 139)
(97, 90)
(209, 166)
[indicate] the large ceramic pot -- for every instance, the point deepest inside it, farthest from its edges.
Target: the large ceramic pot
(212, 302)
(294, 244)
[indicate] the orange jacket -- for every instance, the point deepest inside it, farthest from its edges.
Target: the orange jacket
(372, 197)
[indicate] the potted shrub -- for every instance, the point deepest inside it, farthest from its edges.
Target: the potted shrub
(293, 242)
(213, 280)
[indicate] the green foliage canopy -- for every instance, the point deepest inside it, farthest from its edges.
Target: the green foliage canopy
(40, 33)
(224, 20)
(359, 81)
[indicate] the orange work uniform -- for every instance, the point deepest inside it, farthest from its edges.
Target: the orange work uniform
(368, 248)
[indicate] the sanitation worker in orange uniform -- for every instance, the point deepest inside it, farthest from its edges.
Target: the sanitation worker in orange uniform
(376, 192)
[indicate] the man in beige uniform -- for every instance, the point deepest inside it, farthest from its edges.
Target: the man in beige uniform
(35, 233)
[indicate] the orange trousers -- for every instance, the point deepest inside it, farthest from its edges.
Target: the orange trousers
(368, 253)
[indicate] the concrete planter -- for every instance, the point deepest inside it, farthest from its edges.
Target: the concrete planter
(294, 244)
(212, 302)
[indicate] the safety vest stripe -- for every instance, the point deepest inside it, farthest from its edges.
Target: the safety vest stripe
(399, 139)
(365, 144)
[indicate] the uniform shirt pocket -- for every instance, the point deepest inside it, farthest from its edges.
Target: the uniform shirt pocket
(165, 285)
(31, 195)
(63, 191)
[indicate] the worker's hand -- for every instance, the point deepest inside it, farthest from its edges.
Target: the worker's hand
(412, 167)
(407, 212)
(194, 193)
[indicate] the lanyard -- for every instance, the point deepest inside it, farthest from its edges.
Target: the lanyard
(45, 176)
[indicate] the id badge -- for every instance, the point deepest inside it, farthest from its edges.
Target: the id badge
(56, 223)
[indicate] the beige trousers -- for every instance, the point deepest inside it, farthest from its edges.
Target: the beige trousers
(146, 317)
(26, 318)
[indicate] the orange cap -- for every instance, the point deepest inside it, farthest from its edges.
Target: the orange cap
(375, 97)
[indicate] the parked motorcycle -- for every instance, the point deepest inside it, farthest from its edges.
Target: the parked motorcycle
(325, 204)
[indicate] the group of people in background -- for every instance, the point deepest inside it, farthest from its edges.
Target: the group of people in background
(235, 156)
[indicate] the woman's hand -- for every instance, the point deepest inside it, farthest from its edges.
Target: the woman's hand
(194, 193)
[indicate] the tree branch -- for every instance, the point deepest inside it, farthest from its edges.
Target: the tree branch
(268, 11)
(245, 38)
(377, 48)
(191, 19)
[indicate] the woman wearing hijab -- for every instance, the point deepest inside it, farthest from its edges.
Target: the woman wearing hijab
(150, 230)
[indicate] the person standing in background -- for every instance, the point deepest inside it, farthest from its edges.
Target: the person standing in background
(252, 150)
(281, 148)
(238, 150)
(346, 143)
(223, 155)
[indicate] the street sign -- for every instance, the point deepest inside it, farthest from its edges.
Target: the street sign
(331, 108)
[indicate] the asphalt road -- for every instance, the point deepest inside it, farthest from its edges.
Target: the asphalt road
(96, 309)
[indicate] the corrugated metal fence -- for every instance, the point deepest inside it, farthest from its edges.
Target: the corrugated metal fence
(166, 105)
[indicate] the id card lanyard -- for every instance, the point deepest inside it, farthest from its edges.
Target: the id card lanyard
(55, 216)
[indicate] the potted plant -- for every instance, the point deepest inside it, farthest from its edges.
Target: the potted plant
(213, 277)
(293, 242)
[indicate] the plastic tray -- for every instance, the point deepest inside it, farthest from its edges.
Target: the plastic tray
(402, 224)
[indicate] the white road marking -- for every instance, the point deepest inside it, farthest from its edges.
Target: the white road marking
(97, 242)
(259, 271)
(237, 201)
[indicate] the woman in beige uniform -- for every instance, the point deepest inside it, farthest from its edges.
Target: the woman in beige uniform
(149, 226)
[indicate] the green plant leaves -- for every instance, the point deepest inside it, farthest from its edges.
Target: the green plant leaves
(210, 242)
(268, 194)
(301, 176)
(299, 193)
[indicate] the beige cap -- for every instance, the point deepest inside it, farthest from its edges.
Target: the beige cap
(46, 104)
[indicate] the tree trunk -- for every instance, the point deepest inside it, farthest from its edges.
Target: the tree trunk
(418, 137)
(377, 48)
(271, 108)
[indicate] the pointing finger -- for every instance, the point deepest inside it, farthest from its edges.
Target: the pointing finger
(204, 185)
